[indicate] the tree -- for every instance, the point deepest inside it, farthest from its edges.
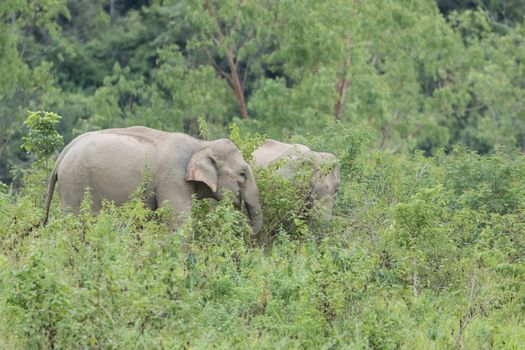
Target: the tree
(232, 35)
(42, 138)
(26, 79)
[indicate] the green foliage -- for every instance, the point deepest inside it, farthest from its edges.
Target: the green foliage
(42, 138)
(413, 77)
(203, 128)
(345, 142)
(486, 183)
(27, 80)
(223, 223)
(246, 144)
(285, 209)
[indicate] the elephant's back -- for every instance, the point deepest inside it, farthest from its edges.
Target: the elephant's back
(100, 145)
(272, 151)
(126, 148)
(106, 162)
(152, 136)
(140, 134)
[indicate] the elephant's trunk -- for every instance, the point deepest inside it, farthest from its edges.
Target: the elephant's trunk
(251, 199)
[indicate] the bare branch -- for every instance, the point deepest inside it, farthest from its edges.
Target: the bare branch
(248, 37)
(216, 66)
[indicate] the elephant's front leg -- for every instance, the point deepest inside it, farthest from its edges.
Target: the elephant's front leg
(178, 199)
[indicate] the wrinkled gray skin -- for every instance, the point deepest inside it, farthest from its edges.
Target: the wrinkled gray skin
(111, 164)
(323, 186)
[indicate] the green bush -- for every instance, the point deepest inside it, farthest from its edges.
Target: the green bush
(42, 139)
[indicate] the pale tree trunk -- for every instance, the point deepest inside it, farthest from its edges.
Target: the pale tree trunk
(113, 9)
(414, 276)
(341, 94)
(233, 76)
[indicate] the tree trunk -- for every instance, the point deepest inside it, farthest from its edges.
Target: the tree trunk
(414, 276)
(233, 77)
(342, 84)
(341, 92)
(112, 9)
(236, 84)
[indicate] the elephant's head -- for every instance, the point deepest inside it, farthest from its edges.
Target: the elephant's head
(220, 166)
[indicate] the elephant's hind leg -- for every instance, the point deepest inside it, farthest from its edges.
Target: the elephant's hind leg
(71, 196)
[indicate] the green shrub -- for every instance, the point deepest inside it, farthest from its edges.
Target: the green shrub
(42, 138)
(486, 183)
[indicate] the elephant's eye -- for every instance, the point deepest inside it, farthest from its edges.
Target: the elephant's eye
(243, 174)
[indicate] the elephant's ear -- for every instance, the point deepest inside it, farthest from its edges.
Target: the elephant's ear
(202, 168)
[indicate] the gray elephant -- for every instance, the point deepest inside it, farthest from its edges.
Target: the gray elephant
(290, 157)
(111, 164)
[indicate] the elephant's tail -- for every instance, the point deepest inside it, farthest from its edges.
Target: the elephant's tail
(54, 176)
(50, 189)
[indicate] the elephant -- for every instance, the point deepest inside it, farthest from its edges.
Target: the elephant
(289, 157)
(111, 163)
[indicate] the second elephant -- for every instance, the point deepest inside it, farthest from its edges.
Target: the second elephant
(290, 157)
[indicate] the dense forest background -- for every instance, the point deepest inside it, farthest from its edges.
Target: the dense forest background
(422, 102)
(418, 74)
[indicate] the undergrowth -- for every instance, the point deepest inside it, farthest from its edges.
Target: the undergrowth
(421, 252)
